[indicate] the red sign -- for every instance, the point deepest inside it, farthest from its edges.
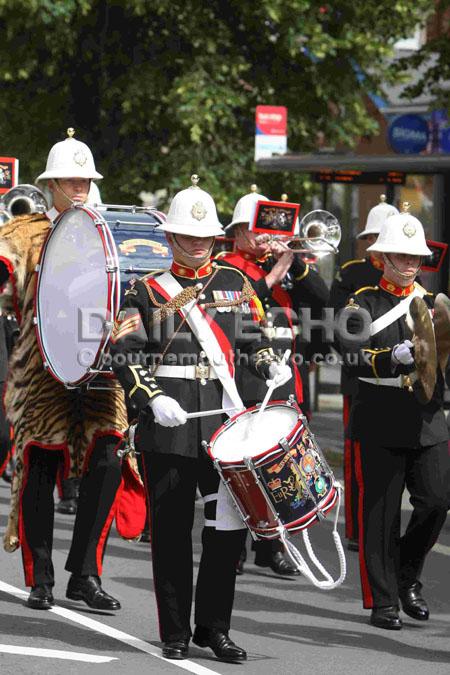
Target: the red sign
(9, 169)
(271, 120)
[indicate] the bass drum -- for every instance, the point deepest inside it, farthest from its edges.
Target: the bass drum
(87, 261)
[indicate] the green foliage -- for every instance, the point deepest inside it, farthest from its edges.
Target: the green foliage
(432, 61)
(163, 89)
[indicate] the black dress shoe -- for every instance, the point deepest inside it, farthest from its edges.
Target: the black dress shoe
(176, 649)
(280, 565)
(67, 506)
(41, 597)
(413, 603)
(386, 617)
(352, 545)
(89, 589)
(221, 644)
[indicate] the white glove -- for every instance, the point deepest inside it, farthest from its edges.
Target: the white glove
(168, 412)
(401, 353)
(279, 373)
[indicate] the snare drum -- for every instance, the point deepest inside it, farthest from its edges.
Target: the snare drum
(274, 469)
(86, 262)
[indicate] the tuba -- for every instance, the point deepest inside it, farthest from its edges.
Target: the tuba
(22, 200)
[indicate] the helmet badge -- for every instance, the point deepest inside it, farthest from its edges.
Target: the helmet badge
(80, 158)
(409, 230)
(198, 211)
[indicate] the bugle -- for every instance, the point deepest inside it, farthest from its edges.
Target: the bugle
(320, 234)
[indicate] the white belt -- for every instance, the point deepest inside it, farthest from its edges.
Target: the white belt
(280, 332)
(385, 381)
(200, 372)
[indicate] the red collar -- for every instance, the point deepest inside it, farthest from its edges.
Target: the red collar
(191, 272)
(252, 258)
(393, 289)
(378, 264)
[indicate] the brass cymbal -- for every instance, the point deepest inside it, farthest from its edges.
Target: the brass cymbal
(425, 357)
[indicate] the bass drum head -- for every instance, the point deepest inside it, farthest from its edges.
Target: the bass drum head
(247, 436)
(75, 294)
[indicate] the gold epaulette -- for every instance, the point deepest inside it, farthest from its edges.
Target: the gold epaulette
(421, 288)
(152, 273)
(352, 262)
(366, 288)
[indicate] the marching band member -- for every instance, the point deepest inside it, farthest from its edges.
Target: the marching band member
(195, 317)
(53, 424)
(398, 440)
(267, 265)
(351, 276)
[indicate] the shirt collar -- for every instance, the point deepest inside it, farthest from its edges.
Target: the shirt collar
(52, 214)
(191, 272)
(378, 264)
(249, 256)
(393, 289)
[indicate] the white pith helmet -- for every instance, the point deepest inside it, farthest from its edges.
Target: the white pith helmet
(401, 233)
(192, 212)
(70, 159)
(245, 208)
(376, 217)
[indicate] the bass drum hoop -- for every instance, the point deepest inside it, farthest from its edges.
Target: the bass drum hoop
(113, 294)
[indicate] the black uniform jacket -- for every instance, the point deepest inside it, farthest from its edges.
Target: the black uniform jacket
(147, 327)
(351, 276)
(281, 308)
(391, 416)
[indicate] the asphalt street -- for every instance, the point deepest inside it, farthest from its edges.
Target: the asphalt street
(286, 625)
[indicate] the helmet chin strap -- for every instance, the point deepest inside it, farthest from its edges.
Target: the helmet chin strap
(61, 191)
(404, 275)
(188, 256)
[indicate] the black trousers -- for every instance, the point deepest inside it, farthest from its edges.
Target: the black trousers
(5, 436)
(94, 516)
(171, 482)
(389, 561)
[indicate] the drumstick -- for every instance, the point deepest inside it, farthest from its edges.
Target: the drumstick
(206, 413)
(250, 429)
(266, 399)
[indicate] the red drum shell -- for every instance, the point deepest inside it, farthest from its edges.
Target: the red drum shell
(289, 484)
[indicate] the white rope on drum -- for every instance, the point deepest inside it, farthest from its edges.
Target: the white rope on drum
(294, 554)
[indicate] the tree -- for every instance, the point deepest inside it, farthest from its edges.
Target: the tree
(164, 89)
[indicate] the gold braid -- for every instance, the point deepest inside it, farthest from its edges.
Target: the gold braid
(166, 309)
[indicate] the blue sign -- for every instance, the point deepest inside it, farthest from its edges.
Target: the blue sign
(409, 134)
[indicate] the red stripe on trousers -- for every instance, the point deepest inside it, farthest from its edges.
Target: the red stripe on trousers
(349, 525)
(365, 585)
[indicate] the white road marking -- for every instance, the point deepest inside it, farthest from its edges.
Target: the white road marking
(441, 548)
(119, 635)
(55, 654)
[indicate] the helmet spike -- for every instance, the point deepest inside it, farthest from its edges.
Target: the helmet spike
(382, 198)
(253, 187)
(71, 132)
(194, 180)
(405, 207)
(284, 197)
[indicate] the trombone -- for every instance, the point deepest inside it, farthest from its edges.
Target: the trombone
(319, 234)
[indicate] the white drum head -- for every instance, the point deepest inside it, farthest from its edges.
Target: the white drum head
(250, 437)
(75, 294)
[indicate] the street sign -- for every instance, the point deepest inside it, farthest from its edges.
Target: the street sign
(360, 177)
(409, 134)
(270, 131)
